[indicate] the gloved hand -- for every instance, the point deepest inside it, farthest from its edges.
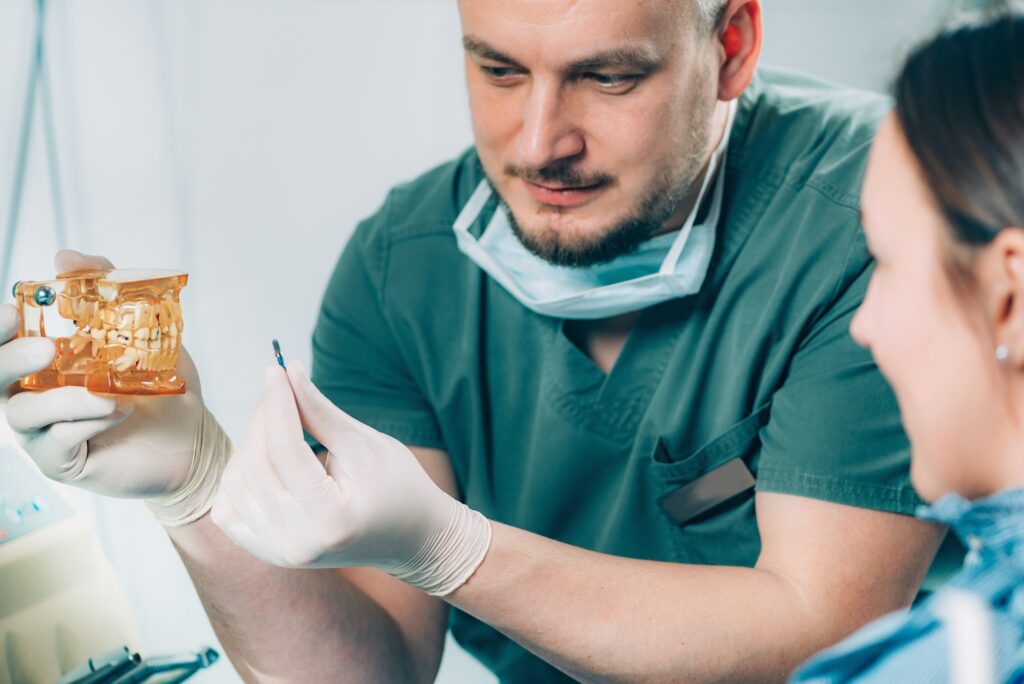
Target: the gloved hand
(370, 505)
(167, 450)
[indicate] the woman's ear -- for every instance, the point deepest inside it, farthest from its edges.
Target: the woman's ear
(1002, 277)
(740, 36)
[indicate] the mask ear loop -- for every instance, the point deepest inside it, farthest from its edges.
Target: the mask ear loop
(717, 163)
(477, 201)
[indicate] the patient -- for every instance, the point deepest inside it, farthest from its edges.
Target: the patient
(943, 211)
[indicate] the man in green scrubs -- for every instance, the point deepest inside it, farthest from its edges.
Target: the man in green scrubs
(636, 365)
(644, 451)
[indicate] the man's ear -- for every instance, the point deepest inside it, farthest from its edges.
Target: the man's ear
(1001, 275)
(740, 35)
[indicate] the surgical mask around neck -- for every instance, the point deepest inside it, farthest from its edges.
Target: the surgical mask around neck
(665, 267)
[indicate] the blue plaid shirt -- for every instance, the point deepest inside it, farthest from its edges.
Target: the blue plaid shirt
(971, 630)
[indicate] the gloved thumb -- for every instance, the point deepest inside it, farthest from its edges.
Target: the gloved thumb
(21, 357)
(319, 416)
(68, 260)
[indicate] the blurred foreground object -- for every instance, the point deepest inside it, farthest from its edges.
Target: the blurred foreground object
(63, 615)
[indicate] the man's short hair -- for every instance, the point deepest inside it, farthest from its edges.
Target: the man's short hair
(711, 13)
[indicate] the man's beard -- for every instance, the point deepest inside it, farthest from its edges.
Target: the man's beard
(647, 218)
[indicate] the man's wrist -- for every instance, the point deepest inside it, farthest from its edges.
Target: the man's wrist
(450, 557)
(193, 499)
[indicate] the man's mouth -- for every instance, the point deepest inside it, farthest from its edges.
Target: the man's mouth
(553, 194)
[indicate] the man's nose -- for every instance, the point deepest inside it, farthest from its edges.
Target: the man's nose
(548, 133)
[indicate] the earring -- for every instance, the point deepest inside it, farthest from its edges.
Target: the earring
(1002, 353)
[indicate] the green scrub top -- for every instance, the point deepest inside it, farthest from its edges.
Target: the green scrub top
(416, 340)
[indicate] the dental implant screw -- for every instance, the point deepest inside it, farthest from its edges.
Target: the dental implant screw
(277, 354)
(45, 296)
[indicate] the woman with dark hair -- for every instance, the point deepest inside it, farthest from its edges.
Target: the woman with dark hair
(943, 212)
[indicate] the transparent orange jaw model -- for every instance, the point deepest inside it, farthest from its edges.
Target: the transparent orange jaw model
(116, 331)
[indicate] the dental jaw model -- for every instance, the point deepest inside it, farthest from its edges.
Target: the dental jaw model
(116, 331)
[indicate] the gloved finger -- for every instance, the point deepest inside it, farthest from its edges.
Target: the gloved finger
(222, 511)
(356, 454)
(233, 489)
(319, 415)
(68, 260)
(292, 458)
(254, 463)
(186, 369)
(357, 445)
(23, 356)
(10, 319)
(31, 411)
(243, 517)
(234, 482)
(227, 519)
(59, 452)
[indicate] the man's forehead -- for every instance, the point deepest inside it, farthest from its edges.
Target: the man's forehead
(570, 30)
(545, 12)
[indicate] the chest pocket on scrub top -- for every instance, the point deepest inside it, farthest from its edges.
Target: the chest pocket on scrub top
(713, 474)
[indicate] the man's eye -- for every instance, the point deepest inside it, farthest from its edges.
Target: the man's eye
(499, 73)
(617, 84)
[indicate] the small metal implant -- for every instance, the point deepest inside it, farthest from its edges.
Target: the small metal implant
(277, 353)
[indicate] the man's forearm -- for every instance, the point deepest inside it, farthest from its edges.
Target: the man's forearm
(293, 625)
(601, 618)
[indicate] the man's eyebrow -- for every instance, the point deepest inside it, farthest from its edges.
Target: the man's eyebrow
(485, 51)
(640, 58)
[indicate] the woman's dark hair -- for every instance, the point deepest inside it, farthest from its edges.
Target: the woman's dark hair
(960, 103)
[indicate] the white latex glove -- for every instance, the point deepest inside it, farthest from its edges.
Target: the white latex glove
(371, 504)
(168, 450)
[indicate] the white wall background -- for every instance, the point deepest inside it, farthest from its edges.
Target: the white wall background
(242, 140)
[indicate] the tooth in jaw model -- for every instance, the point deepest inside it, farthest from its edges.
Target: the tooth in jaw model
(139, 336)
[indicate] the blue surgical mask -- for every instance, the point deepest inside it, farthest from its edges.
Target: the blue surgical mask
(665, 267)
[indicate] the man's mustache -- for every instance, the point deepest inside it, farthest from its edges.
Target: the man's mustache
(563, 175)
